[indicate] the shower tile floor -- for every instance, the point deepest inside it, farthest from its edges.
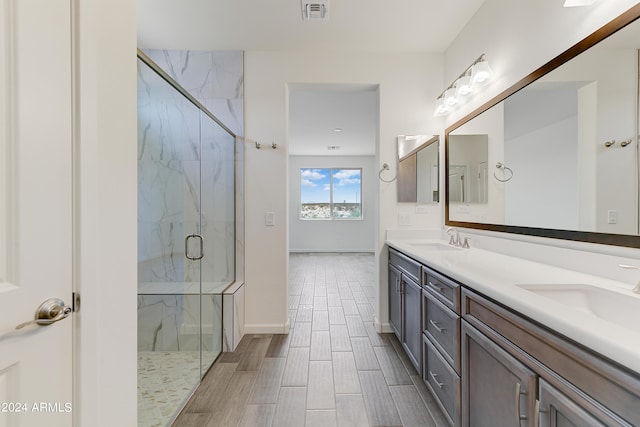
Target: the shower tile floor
(165, 380)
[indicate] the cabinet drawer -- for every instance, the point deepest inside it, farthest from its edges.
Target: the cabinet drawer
(443, 382)
(444, 289)
(407, 265)
(442, 326)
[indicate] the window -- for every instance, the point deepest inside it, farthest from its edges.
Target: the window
(330, 193)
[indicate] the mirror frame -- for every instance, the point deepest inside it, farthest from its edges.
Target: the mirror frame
(434, 139)
(602, 33)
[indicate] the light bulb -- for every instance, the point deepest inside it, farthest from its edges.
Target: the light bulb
(450, 98)
(441, 107)
(481, 73)
(463, 86)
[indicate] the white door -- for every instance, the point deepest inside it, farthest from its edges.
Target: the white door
(36, 214)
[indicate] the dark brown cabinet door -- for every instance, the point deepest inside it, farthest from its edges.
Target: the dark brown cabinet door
(412, 321)
(395, 301)
(497, 390)
(557, 409)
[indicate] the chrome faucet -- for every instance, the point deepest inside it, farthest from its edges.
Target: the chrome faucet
(455, 241)
(636, 289)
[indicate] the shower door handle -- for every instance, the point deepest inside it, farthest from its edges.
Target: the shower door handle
(186, 247)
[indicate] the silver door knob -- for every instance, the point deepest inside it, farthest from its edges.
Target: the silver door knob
(50, 311)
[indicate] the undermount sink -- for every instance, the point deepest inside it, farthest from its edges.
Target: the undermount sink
(609, 305)
(434, 245)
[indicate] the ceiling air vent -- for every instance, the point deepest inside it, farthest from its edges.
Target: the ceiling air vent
(313, 10)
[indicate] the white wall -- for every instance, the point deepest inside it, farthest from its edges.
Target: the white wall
(334, 235)
(409, 84)
(509, 33)
(105, 215)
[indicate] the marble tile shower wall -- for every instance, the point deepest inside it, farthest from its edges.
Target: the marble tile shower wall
(168, 173)
(185, 181)
(215, 78)
(172, 322)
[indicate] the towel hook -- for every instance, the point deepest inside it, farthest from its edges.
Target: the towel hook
(385, 167)
(505, 169)
(273, 145)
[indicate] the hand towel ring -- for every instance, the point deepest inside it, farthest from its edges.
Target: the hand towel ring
(505, 169)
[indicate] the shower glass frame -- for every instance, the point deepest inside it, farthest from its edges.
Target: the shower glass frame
(192, 155)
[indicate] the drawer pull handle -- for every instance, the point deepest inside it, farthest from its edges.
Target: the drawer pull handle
(435, 325)
(519, 391)
(435, 379)
(536, 414)
(440, 288)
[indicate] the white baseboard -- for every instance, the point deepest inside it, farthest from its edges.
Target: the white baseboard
(276, 328)
(381, 328)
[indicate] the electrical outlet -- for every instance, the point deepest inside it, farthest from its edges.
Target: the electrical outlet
(404, 218)
(612, 216)
(422, 209)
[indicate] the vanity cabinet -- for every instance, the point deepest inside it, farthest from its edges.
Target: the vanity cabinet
(530, 372)
(498, 390)
(441, 341)
(411, 325)
(395, 300)
(487, 365)
(558, 409)
(405, 304)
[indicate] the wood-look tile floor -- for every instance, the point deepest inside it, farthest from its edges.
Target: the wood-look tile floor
(332, 369)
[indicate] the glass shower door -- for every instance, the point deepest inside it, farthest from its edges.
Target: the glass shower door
(218, 230)
(169, 248)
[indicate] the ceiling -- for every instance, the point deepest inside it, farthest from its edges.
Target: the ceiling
(333, 120)
(353, 25)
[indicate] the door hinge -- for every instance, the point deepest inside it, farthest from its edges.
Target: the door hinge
(75, 303)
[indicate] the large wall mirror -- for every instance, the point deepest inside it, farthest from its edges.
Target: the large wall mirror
(557, 154)
(418, 168)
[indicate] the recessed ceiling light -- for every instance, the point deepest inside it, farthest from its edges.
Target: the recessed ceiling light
(337, 129)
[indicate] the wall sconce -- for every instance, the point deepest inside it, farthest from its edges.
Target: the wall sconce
(475, 76)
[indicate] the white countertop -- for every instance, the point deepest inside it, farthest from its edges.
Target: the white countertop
(498, 276)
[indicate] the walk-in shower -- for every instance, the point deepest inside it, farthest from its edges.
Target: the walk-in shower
(186, 241)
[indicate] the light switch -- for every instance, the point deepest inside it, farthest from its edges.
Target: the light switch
(269, 218)
(422, 209)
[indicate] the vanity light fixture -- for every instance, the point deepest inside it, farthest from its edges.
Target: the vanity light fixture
(463, 86)
(475, 76)
(450, 97)
(442, 109)
(481, 72)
